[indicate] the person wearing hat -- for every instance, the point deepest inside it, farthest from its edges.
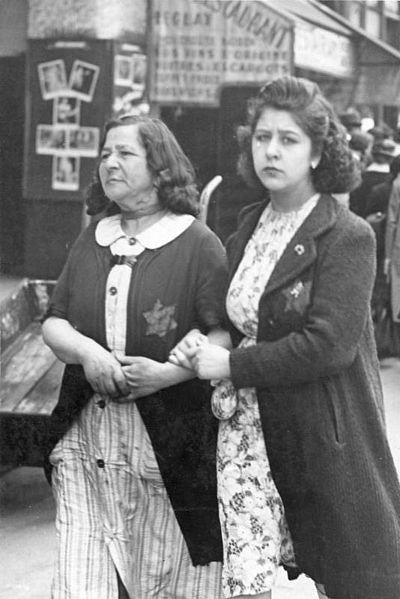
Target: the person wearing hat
(360, 145)
(378, 171)
(351, 120)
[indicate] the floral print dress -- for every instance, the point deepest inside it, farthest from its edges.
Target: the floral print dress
(255, 535)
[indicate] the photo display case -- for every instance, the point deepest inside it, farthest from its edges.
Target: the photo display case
(70, 96)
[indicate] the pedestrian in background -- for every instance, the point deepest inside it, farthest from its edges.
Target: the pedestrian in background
(392, 249)
(378, 171)
(305, 474)
(351, 120)
(360, 144)
(376, 216)
(132, 438)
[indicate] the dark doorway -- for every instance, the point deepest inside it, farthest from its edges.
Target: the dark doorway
(233, 194)
(12, 116)
(196, 130)
(208, 137)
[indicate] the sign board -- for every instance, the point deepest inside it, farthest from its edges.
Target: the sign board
(200, 46)
(322, 50)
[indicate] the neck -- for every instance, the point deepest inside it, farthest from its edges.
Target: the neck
(136, 221)
(290, 200)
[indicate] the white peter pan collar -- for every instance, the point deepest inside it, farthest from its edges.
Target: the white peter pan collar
(168, 228)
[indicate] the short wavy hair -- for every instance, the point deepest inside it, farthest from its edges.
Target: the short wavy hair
(172, 169)
(337, 171)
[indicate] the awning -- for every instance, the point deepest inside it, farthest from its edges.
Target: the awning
(321, 44)
(377, 76)
(344, 51)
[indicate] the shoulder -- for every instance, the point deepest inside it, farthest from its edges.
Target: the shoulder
(247, 218)
(201, 233)
(350, 229)
(248, 210)
(84, 239)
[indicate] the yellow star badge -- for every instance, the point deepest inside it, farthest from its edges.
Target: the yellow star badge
(160, 320)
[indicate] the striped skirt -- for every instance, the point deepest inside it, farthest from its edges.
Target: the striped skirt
(114, 514)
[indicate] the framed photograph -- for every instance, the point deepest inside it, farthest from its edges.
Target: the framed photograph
(52, 78)
(83, 79)
(51, 139)
(123, 70)
(67, 111)
(139, 69)
(65, 173)
(84, 142)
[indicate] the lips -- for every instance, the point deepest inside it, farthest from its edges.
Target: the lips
(271, 169)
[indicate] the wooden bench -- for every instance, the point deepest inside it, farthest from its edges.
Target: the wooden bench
(30, 375)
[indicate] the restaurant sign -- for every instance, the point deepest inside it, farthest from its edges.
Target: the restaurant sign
(199, 46)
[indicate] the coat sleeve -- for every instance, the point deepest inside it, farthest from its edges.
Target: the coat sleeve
(335, 321)
(211, 283)
(60, 297)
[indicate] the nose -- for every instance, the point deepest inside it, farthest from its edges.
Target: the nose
(111, 161)
(272, 148)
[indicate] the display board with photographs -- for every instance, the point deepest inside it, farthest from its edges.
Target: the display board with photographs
(71, 87)
(75, 86)
(130, 77)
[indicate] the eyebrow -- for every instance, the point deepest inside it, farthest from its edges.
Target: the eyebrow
(263, 128)
(121, 147)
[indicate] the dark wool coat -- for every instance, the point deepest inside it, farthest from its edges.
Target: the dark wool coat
(316, 373)
(187, 277)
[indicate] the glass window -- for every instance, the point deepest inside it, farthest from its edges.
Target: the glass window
(354, 12)
(392, 6)
(373, 22)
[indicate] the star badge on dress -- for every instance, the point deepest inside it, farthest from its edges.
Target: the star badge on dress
(160, 320)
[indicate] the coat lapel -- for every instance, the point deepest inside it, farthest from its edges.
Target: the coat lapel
(237, 243)
(301, 251)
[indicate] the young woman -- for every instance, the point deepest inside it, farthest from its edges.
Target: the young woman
(305, 475)
(132, 438)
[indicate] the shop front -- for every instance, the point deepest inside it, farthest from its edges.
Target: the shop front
(375, 86)
(194, 63)
(207, 59)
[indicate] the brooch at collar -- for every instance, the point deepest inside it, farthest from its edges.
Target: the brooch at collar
(299, 249)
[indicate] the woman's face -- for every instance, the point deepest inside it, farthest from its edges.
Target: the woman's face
(123, 171)
(282, 152)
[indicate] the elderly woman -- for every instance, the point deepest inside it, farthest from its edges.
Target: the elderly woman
(132, 437)
(305, 474)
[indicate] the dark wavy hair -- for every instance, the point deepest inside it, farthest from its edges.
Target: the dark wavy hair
(173, 171)
(337, 171)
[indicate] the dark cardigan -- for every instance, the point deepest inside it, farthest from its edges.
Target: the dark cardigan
(188, 277)
(317, 377)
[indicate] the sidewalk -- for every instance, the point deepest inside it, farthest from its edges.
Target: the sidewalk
(27, 519)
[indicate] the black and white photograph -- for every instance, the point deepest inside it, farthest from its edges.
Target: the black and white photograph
(123, 70)
(139, 69)
(200, 299)
(51, 139)
(84, 141)
(52, 78)
(65, 173)
(83, 79)
(66, 111)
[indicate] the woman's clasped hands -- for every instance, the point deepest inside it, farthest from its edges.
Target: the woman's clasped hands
(196, 352)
